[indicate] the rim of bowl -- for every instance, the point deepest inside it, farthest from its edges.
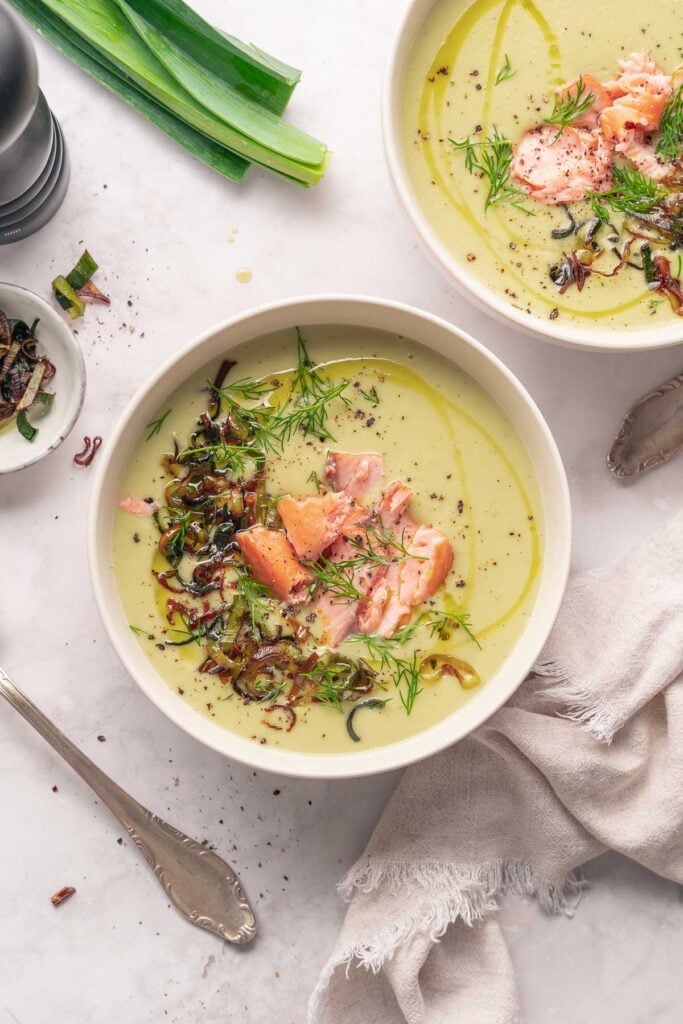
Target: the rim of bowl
(466, 283)
(56, 325)
(371, 313)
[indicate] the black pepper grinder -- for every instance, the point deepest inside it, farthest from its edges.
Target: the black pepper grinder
(34, 168)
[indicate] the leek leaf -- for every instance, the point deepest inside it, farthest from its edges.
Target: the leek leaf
(252, 72)
(211, 153)
(103, 25)
(226, 103)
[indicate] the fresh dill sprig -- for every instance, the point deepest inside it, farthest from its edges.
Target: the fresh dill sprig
(505, 72)
(405, 672)
(246, 388)
(631, 192)
(570, 106)
(443, 622)
(311, 395)
(314, 479)
(679, 266)
(307, 380)
(371, 395)
(492, 158)
(156, 425)
(334, 677)
(408, 682)
(670, 141)
(337, 578)
(190, 635)
(180, 518)
(138, 631)
(310, 415)
(379, 545)
(438, 622)
(232, 457)
(256, 598)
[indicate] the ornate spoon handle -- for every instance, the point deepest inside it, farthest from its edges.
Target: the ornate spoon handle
(203, 887)
(651, 433)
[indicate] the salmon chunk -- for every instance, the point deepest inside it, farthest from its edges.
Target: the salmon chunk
(429, 568)
(337, 616)
(407, 584)
(639, 95)
(273, 562)
(641, 87)
(138, 506)
(393, 504)
(643, 157)
(562, 169)
(354, 472)
(312, 524)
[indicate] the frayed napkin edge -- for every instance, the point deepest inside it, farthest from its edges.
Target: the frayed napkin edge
(439, 894)
(577, 703)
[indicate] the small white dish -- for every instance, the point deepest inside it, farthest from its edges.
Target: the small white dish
(462, 279)
(58, 344)
(409, 323)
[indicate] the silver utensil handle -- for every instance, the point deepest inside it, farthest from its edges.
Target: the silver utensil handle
(201, 885)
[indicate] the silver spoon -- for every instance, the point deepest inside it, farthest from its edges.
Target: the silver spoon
(203, 887)
(652, 431)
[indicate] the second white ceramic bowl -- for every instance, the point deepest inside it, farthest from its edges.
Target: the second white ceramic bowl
(457, 272)
(60, 346)
(410, 324)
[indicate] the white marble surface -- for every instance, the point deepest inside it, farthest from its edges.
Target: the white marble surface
(159, 223)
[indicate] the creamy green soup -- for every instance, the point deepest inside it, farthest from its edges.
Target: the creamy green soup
(495, 64)
(471, 478)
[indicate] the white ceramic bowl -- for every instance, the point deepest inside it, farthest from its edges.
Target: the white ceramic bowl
(61, 348)
(466, 282)
(369, 313)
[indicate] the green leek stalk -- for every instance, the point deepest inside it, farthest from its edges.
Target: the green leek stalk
(255, 123)
(247, 69)
(95, 64)
(198, 97)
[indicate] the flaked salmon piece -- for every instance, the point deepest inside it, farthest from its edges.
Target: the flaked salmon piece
(272, 561)
(407, 584)
(639, 94)
(562, 168)
(313, 523)
(643, 156)
(138, 506)
(354, 472)
(601, 99)
(393, 504)
(635, 64)
(432, 563)
(338, 617)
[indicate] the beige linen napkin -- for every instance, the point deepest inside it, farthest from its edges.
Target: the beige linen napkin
(587, 756)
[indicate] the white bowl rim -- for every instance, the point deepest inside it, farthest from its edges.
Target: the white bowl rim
(54, 323)
(466, 283)
(378, 759)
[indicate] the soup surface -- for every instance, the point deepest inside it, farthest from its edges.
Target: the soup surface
(470, 483)
(489, 72)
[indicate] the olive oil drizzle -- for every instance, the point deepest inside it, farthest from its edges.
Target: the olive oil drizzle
(439, 156)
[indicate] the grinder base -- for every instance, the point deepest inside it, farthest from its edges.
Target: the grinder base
(30, 211)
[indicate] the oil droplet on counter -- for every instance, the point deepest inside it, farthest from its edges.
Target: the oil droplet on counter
(232, 235)
(243, 275)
